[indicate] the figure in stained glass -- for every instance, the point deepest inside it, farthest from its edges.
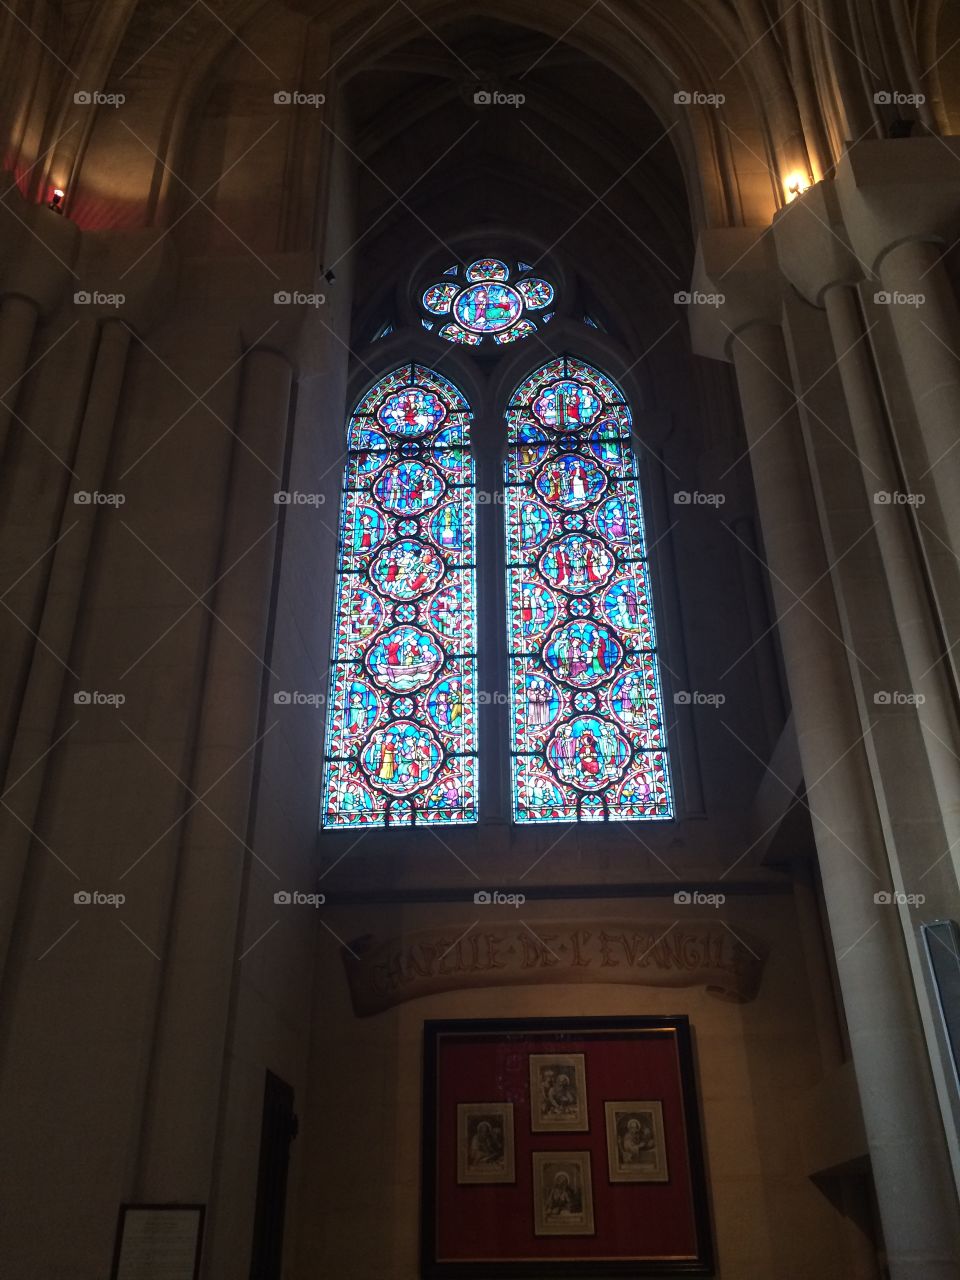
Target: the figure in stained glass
(402, 724)
(588, 740)
(482, 306)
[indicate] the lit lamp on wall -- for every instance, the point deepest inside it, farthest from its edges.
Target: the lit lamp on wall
(795, 184)
(56, 200)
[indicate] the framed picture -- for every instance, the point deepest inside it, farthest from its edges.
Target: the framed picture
(601, 1172)
(485, 1142)
(562, 1193)
(636, 1151)
(558, 1093)
(158, 1239)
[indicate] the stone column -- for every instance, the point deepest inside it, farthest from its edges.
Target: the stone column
(45, 683)
(899, 231)
(921, 649)
(928, 334)
(18, 322)
(764, 657)
(904, 1132)
(36, 251)
(816, 257)
(182, 1110)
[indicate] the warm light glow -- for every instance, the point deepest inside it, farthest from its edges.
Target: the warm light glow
(795, 184)
(58, 193)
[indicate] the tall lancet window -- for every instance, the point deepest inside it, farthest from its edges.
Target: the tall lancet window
(587, 733)
(402, 727)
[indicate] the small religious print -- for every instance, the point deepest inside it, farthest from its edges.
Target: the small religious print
(636, 1151)
(558, 1093)
(485, 1142)
(562, 1193)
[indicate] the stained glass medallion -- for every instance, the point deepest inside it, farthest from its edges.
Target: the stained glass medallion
(488, 307)
(587, 736)
(402, 720)
(490, 299)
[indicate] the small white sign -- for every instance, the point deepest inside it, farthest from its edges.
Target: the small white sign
(159, 1242)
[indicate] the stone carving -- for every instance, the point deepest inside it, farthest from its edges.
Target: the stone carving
(386, 972)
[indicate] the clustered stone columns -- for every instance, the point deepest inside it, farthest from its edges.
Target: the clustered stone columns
(216, 860)
(34, 273)
(817, 258)
(42, 697)
(905, 1129)
(53, 261)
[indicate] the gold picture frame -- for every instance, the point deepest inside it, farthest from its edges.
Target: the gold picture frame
(562, 1193)
(558, 1093)
(636, 1148)
(485, 1147)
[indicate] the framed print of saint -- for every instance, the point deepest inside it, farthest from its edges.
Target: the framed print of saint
(558, 1093)
(636, 1151)
(562, 1193)
(485, 1142)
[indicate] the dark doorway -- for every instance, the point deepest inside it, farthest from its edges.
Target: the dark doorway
(279, 1128)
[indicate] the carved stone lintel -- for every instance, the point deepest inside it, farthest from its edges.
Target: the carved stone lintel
(386, 972)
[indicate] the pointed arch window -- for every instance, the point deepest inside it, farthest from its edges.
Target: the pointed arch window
(587, 734)
(402, 722)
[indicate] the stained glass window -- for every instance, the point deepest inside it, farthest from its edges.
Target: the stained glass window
(587, 734)
(402, 722)
(490, 298)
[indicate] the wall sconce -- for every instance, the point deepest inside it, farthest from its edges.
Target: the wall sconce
(56, 203)
(796, 184)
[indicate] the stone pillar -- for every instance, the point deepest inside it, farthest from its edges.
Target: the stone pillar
(904, 1131)
(928, 334)
(899, 231)
(819, 262)
(764, 657)
(18, 321)
(183, 1104)
(921, 650)
(45, 683)
(36, 251)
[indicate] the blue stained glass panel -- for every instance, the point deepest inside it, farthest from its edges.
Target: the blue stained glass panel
(401, 743)
(587, 736)
(481, 306)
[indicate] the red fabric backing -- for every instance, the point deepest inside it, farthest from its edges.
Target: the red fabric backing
(632, 1220)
